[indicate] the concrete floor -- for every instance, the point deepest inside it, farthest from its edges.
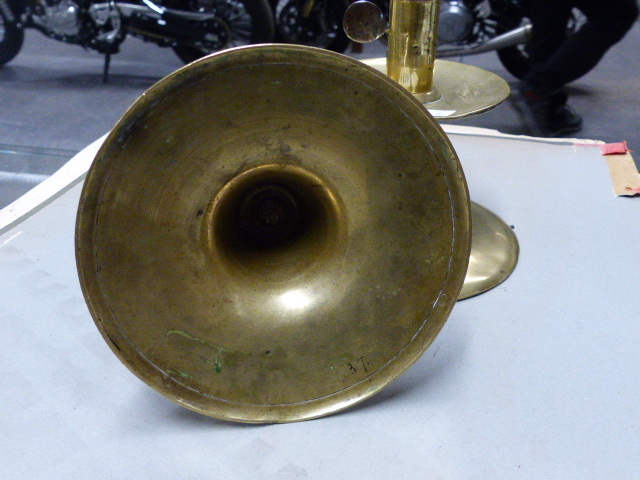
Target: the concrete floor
(52, 96)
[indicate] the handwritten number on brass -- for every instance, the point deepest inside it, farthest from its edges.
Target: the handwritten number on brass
(364, 365)
(359, 365)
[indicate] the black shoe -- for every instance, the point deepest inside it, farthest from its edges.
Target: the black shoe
(546, 115)
(563, 121)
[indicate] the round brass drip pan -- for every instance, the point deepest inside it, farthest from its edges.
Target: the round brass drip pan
(273, 233)
(461, 90)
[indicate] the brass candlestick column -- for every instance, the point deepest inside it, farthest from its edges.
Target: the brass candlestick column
(413, 39)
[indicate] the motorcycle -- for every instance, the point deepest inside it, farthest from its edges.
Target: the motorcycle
(478, 26)
(192, 28)
(316, 23)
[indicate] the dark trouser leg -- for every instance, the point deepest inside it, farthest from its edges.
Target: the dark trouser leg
(558, 61)
(549, 20)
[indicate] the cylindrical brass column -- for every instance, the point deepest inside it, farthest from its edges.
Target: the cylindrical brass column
(413, 37)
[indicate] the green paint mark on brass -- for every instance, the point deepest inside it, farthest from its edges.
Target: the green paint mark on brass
(217, 361)
(195, 339)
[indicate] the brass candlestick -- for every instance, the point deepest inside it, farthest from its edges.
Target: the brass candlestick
(449, 90)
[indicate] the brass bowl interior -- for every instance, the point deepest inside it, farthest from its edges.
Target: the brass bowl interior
(272, 223)
(272, 234)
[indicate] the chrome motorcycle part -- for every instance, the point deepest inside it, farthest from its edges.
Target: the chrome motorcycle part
(60, 19)
(456, 21)
(510, 38)
(105, 14)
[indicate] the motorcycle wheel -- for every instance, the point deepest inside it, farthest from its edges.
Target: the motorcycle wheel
(514, 59)
(11, 38)
(316, 23)
(237, 23)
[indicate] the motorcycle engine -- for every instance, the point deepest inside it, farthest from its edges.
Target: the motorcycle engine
(456, 21)
(60, 18)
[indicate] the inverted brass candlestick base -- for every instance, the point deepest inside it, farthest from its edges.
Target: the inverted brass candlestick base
(276, 252)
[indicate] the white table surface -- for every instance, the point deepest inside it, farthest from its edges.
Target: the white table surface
(536, 379)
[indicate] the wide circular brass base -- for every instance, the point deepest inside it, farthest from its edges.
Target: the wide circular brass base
(273, 233)
(494, 252)
(462, 90)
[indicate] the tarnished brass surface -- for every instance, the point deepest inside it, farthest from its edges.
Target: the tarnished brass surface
(463, 90)
(364, 22)
(494, 252)
(450, 91)
(273, 233)
(413, 39)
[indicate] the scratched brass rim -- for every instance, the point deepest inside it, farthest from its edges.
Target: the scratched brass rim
(193, 299)
(461, 90)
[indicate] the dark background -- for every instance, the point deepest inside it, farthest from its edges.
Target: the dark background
(52, 94)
